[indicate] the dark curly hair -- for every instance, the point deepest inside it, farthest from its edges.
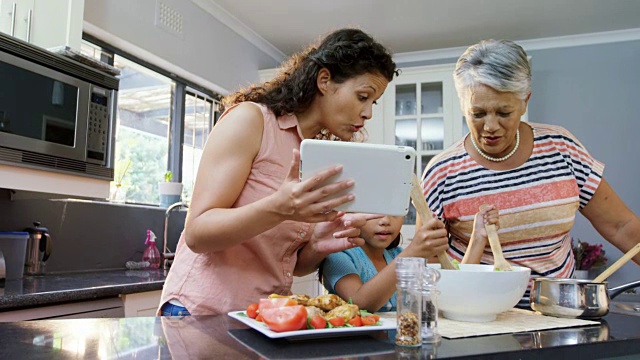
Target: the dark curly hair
(346, 53)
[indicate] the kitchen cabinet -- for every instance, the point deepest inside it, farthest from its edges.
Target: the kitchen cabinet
(141, 304)
(45, 23)
(48, 182)
(102, 308)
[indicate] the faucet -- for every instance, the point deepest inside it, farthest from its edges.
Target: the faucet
(166, 254)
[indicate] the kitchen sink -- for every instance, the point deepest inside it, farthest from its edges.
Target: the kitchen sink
(625, 308)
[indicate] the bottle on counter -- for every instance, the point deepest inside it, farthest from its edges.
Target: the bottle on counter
(429, 324)
(409, 303)
(151, 253)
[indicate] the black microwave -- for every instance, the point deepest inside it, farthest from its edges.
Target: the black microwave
(55, 113)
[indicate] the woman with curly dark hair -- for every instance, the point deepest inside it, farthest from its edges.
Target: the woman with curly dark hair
(251, 219)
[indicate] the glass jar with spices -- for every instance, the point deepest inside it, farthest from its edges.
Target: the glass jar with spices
(409, 301)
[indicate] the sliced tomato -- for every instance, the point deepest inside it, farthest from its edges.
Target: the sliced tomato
(285, 318)
(356, 321)
(337, 321)
(259, 318)
(370, 320)
(275, 303)
(252, 311)
(317, 322)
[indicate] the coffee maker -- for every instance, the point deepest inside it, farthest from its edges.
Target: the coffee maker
(38, 249)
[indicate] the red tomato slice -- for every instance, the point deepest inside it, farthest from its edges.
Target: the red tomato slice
(337, 321)
(286, 318)
(370, 320)
(318, 322)
(252, 311)
(356, 321)
(275, 303)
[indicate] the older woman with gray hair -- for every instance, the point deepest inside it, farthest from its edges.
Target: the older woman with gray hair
(536, 175)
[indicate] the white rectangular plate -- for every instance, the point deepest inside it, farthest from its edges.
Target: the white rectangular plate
(387, 324)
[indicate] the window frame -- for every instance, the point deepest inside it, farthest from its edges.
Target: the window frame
(181, 87)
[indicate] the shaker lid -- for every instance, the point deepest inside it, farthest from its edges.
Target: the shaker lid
(36, 228)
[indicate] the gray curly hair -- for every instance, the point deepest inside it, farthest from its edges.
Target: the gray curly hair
(499, 64)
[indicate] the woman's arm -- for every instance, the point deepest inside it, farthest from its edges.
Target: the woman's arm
(212, 224)
(613, 219)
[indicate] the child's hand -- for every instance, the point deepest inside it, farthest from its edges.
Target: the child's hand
(484, 217)
(429, 240)
(340, 234)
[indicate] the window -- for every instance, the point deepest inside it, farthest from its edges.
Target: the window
(142, 128)
(199, 117)
(152, 105)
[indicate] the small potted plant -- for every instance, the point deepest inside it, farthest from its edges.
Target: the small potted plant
(587, 257)
(170, 192)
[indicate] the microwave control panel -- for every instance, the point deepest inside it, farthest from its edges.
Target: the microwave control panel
(98, 130)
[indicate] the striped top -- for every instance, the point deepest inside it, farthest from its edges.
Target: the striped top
(537, 201)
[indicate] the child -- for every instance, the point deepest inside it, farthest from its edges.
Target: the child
(366, 274)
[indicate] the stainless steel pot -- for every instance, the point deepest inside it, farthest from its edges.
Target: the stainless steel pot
(572, 298)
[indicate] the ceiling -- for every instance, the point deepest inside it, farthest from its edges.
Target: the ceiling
(417, 25)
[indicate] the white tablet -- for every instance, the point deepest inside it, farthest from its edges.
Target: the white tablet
(382, 173)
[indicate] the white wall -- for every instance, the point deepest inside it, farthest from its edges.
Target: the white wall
(208, 49)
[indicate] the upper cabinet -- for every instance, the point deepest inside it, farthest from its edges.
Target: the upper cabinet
(45, 23)
(421, 110)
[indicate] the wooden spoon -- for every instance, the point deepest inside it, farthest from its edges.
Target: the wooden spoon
(618, 264)
(420, 203)
(499, 262)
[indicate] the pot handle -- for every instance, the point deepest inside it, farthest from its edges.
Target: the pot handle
(613, 292)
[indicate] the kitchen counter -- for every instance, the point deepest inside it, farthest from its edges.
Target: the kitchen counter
(32, 291)
(221, 337)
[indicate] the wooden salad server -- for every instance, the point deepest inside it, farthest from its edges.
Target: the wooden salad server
(618, 264)
(499, 262)
(420, 203)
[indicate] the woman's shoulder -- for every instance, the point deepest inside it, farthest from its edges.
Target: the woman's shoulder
(545, 130)
(542, 132)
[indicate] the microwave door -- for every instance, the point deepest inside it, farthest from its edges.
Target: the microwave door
(41, 109)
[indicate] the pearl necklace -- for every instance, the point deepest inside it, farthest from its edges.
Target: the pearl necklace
(501, 158)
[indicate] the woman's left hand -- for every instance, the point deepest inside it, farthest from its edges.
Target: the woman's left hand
(487, 216)
(340, 234)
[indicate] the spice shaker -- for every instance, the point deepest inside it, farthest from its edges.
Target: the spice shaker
(409, 300)
(429, 292)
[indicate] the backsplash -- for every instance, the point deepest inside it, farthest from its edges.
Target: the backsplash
(91, 235)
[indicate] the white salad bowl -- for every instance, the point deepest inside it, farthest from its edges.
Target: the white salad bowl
(477, 293)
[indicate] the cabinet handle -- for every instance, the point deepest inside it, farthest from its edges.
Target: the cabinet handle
(29, 25)
(13, 19)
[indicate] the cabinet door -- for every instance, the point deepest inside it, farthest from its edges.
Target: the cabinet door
(57, 23)
(421, 109)
(141, 304)
(16, 17)
(6, 16)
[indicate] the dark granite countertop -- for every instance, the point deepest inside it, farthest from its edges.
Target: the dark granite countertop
(221, 337)
(51, 289)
